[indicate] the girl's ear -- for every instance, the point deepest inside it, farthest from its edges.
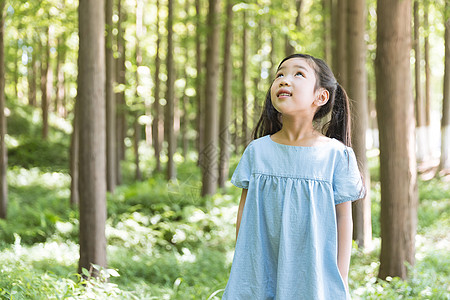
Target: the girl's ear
(322, 97)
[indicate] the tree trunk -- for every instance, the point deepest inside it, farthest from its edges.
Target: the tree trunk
(3, 150)
(357, 91)
(341, 43)
(91, 97)
(421, 137)
(395, 112)
(32, 71)
(110, 100)
(427, 69)
(326, 6)
(137, 126)
(245, 134)
(210, 155)
(121, 125)
(74, 157)
(170, 107)
(199, 83)
(44, 87)
(60, 107)
(225, 110)
(445, 123)
(156, 106)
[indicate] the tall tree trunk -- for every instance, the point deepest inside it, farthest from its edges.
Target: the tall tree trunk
(156, 106)
(44, 86)
(17, 57)
(121, 108)
(170, 107)
(60, 107)
(395, 112)
(110, 100)
(32, 71)
(209, 162)
(357, 91)
(199, 83)
(91, 97)
(3, 151)
(427, 69)
(445, 123)
(225, 110)
(245, 134)
(326, 7)
(75, 156)
(334, 15)
(341, 43)
(420, 106)
(137, 126)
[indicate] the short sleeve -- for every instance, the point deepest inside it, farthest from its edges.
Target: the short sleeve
(241, 176)
(347, 180)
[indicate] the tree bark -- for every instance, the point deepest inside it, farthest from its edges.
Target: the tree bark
(3, 150)
(111, 140)
(92, 168)
(156, 106)
(427, 67)
(32, 71)
(74, 157)
(326, 6)
(199, 83)
(341, 43)
(44, 86)
(225, 111)
(121, 108)
(395, 112)
(60, 107)
(245, 134)
(445, 123)
(170, 107)
(137, 126)
(357, 91)
(421, 136)
(210, 155)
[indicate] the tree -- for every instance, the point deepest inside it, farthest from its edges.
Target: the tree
(170, 107)
(427, 68)
(111, 140)
(198, 81)
(156, 107)
(209, 162)
(341, 42)
(445, 123)
(3, 152)
(137, 126)
(357, 91)
(245, 131)
(421, 136)
(121, 125)
(395, 113)
(92, 148)
(45, 63)
(225, 116)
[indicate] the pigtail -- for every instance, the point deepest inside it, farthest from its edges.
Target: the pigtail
(339, 125)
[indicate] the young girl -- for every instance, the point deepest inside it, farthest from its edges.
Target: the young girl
(294, 224)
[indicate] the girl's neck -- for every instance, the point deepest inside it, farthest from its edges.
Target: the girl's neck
(298, 132)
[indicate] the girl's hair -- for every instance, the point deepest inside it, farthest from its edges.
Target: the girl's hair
(339, 125)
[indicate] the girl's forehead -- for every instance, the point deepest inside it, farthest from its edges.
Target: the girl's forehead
(297, 62)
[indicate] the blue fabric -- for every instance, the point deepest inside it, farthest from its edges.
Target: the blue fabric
(287, 242)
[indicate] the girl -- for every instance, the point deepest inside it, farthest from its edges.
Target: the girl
(294, 224)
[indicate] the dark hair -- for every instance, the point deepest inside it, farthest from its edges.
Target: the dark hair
(339, 125)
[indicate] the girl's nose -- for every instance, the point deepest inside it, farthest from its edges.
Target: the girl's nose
(284, 82)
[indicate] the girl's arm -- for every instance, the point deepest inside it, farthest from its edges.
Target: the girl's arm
(241, 209)
(344, 231)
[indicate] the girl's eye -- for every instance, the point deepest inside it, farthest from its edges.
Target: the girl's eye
(279, 75)
(299, 74)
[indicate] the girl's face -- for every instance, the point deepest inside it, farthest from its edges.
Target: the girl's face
(293, 90)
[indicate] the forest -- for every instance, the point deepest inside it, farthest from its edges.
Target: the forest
(122, 122)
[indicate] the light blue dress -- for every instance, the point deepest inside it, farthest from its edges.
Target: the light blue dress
(287, 242)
